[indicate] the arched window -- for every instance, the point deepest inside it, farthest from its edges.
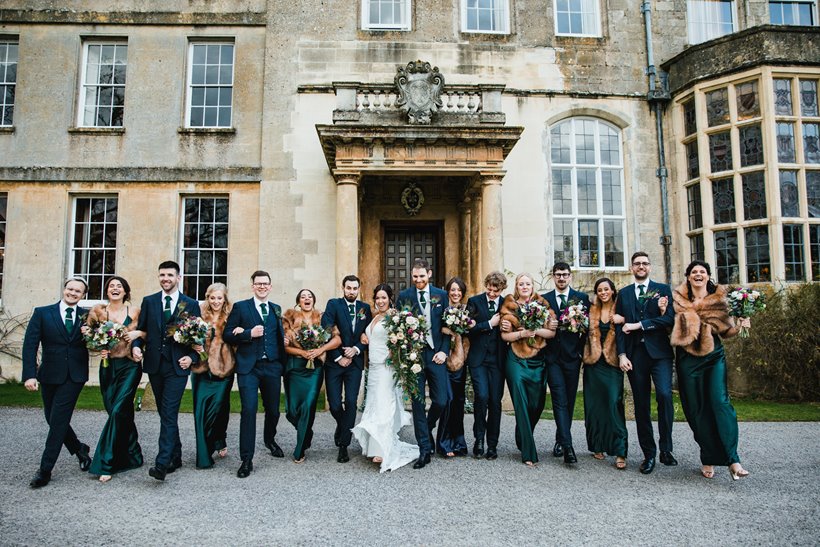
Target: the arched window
(589, 226)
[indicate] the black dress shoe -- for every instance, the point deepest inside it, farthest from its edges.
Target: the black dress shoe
(158, 472)
(668, 459)
(492, 454)
(40, 479)
(175, 464)
(343, 457)
(245, 469)
(569, 455)
(83, 456)
(422, 461)
(647, 466)
(478, 448)
(275, 451)
(557, 450)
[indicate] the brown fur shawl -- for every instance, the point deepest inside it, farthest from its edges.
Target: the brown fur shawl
(509, 311)
(220, 362)
(593, 348)
(459, 346)
(292, 321)
(695, 322)
(99, 314)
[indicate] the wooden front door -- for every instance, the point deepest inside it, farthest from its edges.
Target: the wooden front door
(403, 245)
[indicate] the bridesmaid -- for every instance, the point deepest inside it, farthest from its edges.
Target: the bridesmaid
(302, 384)
(118, 448)
(701, 319)
(212, 380)
(604, 380)
(450, 437)
(525, 372)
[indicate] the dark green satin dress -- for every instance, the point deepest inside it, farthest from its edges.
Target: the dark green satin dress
(527, 382)
(302, 386)
(705, 400)
(118, 448)
(212, 410)
(604, 416)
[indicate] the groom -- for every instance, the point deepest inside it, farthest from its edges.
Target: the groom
(343, 369)
(431, 303)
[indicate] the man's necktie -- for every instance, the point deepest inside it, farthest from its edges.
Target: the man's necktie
(491, 305)
(69, 322)
(563, 298)
(641, 290)
(264, 307)
(166, 313)
(351, 310)
(422, 301)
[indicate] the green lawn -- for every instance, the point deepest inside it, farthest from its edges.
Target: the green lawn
(748, 410)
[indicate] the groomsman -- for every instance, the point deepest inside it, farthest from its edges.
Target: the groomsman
(485, 361)
(254, 326)
(343, 369)
(430, 302)
(166, 361)
(562, 357)
(62, 372)
(645, 355)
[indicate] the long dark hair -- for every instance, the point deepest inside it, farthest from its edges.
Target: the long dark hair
(299, 296)
(125, 286)
(386, 288)
(711, 287)
(611, 286)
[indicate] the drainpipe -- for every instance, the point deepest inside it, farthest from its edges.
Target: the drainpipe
(657, 97)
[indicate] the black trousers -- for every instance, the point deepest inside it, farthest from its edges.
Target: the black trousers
(59, 401)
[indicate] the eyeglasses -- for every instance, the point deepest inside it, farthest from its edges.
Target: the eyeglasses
(261, 284)
(561, 275)
(640, 263)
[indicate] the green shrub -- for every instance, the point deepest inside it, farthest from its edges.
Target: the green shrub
(781, 358)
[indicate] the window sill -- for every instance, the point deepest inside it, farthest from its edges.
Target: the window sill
(98, 130)
(7, 129)
(206, 130)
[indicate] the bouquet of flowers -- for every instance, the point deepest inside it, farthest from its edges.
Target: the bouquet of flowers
(312, 337)
(104, 336)
(574, 318)
(190, 330)
(532, 316)
(745, 303)
(458, 319)
(406, 338)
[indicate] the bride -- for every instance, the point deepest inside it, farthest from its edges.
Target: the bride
(384, 414)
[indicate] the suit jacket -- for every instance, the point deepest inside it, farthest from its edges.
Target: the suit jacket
(655, 326)
(566, 348)
(439, 300)
(156, 333)
(64, 355)
(250, 350)
(482, 336)
(337, 314)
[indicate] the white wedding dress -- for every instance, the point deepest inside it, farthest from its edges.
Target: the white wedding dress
(384, 414)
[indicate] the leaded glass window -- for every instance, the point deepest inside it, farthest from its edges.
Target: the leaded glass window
(789, 196)
(717, 107)
(720, 151)
(783, 96)
(758, 265)
(587, 192)
(723, 199)
(751, 145)
(785, 142)
(748, 100)
(813, 193)
(726, 256)
(692, 160)
(588, 242)
(689, 117)
(808, 97)
(694, 206)
(563, 241)
(614, 243)
(204, 244)
(696, 247)
(754, 195)
(562, 191)
(811, 143)
(793, 251)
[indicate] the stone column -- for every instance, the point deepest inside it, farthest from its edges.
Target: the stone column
(347, 223)
(465, 220)
(492, 240)
(475, 239)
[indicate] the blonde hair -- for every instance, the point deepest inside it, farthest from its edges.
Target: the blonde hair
(516, 294)
(226, 307)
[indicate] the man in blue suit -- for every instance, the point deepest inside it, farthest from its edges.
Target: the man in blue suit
(166, 361)
(485, 361)
(430, 302)
(645, 355)
(62, 372)
(343, 368)
(255, 328)
(562, 357)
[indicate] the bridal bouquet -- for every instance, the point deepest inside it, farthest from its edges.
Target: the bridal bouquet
(574, 318)
(458, 320)
(190, 330)
(745, 303)
(104, 336)
(312, 337)
(532, 316)
(406, 338)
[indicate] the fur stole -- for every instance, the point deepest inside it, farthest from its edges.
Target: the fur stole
(220, 362)
(594, 348)
(509, 311)
(293, 320)
(98, 314)
(696, 322)
(459, 347)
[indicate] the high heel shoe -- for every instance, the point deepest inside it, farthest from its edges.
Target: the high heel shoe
(707, 473)
(738, 472)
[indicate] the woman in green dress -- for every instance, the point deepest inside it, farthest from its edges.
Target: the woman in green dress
(303, 373)
(603, 380)
(701, 320)
(525, 371)
(212, 380)
(118, 448)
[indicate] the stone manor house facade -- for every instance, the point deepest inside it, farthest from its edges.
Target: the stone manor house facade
(313, 139)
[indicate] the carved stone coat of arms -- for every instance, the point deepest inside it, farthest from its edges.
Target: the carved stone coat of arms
(419, 87)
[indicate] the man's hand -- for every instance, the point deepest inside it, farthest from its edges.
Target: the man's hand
(506, 326)
(495, 320)
(136, 353)
(350, 352)
(257, 331)
(439, 357)
(630, 327)
(185, 363)
(624, 363)
(31, 384)
(344, 362)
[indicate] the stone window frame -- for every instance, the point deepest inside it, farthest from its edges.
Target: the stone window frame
(202, 280)
(193, 42)
(405, 26)
(8, 44)
(504, 7)
(697, 17)
(595, 10)
(85, 87)
(812, 9)
(703, 237)
(86, 246)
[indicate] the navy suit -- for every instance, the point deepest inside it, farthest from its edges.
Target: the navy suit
(485, 361)
(651, 357)
(62, 372)
(160, 359)
(349, 378)
(259, 365)
(434, 373)
(562, 357)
